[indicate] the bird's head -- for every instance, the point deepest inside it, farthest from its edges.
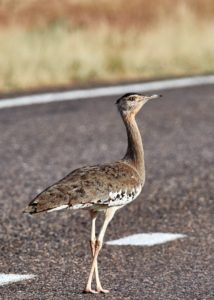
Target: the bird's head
(131, 103)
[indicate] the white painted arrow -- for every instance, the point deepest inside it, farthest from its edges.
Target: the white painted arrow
(10, 278)
(146, 239)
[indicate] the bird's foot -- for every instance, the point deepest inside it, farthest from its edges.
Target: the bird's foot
(88, 290)
(101, 290)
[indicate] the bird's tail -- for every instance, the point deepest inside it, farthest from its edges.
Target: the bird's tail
(49, 200)
(34, 209)
(30, 209)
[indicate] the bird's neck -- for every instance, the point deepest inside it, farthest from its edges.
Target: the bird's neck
(134, 154)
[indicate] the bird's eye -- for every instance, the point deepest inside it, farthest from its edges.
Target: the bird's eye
(132, 99)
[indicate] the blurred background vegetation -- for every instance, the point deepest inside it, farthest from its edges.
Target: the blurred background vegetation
(67, 42)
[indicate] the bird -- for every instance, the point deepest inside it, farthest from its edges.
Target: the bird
(104, 187)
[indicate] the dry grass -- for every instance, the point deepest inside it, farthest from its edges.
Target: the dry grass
(117, 13)
(52, 50)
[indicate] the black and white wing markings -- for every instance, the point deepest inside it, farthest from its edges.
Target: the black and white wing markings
(122, 197)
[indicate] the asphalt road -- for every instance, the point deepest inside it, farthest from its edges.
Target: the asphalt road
(39, 144)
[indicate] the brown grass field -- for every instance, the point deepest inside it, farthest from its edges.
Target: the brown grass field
(65, 42)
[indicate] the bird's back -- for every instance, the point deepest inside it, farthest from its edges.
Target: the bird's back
(96, 187)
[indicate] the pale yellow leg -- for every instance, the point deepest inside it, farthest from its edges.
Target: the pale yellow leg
(98, 245)
(93, 214)
(93, 245)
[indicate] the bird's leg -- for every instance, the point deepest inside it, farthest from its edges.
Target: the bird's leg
(93, 214)
(108, 217)
(93, 243)
(93, 232)
(93, 246)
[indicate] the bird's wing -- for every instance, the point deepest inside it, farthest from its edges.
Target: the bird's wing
(87, 186)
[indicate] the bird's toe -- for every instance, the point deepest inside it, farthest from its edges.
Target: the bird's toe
(89, 291)
(101, 290)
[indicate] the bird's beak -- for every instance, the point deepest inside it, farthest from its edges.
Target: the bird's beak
(153, 97)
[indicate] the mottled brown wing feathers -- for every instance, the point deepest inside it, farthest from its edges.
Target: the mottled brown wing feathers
(86, 185)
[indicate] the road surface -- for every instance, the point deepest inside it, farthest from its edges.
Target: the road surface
(41, 143)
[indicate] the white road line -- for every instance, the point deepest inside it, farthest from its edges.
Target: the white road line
(105, 91)
(147, 239)
(10, 278)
